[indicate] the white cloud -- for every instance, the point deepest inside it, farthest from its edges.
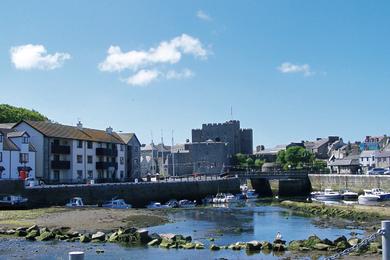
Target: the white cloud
(288, 67)
(143, 77)
(166, 52)
(27, 57)
(203, 16)
(185, 73)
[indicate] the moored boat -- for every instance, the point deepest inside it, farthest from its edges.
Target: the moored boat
(13, 202)
(172, 204)
(75, 202)
(327, 195)
(156, 205)
(116, 204)
(186, 204)
(250, 194)
(368, 196)
(349, 195)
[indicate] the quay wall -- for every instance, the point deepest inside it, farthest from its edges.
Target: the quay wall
(355, 183)
(137, 194)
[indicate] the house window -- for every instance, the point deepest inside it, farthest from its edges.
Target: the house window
(121, 147)
(79, 144)
(79, 174)
(89, 145)
(23, 157)
(25, 139)
(122, 160)
(1, 156)
(56, 175)
(90, 174)
(122, 174)
(79, 158)
(89, 159)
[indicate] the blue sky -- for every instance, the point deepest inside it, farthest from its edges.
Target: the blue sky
(292, 70)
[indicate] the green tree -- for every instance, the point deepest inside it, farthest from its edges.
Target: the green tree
(11, 114)
(259, 163)
(295, 157)
(249, 162)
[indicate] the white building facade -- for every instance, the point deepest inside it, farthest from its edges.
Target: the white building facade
(74, 154)
(17, 155)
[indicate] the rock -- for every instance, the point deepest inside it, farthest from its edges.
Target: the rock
(10, 232)
(33, 227)
(211, 239)
(85, 239)
(43, 230)
(265, 245)
(99, 251)
(342, 245)
(124, 238)
(327, 242)
(234, 247)
(279, 241)
(142, 236)
(73, 234)
(374, 247)
(295, 245)
(304, 249)
(311, 241)
(21, 233)
(321, 246)
(253, 246)
(188, 238)
(166, 243)
(199, 246)
(278, 247)
(21, 229)
(154, 242)
(155, 236)
(214, 247)
(130, 230)
(57, 231)
(339, 239)
(354, 241)
(61, 237)
(189, 245)
(32, 234)
(100, 236)
(113, 237)
(45, 236)
(73, 239)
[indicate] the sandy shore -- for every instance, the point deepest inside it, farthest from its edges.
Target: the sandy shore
(85, 219)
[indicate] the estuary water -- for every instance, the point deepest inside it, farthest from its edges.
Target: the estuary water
(225, 225)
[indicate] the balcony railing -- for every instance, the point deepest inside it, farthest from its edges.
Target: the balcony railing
(60, 149)
(106, 152)
(60, 165)
(106, 165)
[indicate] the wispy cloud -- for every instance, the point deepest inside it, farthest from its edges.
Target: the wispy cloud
(143, 77)
(203, 16)
(185, 73)
(166, 52)
(145, 62)
(28, 57)
(288, 67)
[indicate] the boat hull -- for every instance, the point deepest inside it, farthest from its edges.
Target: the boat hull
(328, 197)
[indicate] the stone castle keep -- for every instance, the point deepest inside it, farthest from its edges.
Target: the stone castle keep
(238, 140)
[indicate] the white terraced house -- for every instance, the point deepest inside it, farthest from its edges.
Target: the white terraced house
(75, 154)
(17, 155)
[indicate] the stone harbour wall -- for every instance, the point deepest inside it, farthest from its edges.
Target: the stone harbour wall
(355, 183)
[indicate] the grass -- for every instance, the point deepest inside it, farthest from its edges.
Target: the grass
(24, 217)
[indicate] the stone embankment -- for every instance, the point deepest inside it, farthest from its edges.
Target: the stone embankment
(355, 182)
(133, 237)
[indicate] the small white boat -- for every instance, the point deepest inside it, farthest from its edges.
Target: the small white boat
(12, 202)
(349, 195)
(224, 198)
(186, 204)
(75, 202)
(368, 196)
(156, 205)
(116, 204)
(172, 204)
(250, 194)
(382, 194)
(327, 195)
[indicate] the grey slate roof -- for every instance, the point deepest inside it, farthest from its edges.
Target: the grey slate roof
(352, 160)
(126, 137)
(7, 125)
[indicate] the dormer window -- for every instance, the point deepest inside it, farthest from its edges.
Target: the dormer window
(26, 139)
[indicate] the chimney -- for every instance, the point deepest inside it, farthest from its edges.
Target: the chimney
(109, 130)
(79, 125)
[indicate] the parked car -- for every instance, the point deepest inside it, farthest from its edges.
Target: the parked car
(376, 171)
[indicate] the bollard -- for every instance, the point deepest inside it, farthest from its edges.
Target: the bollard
(386, 240)
(76, 255)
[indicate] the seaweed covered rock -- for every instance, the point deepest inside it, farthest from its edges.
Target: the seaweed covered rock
(46, 236)
(253, 246)
(32, 234)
